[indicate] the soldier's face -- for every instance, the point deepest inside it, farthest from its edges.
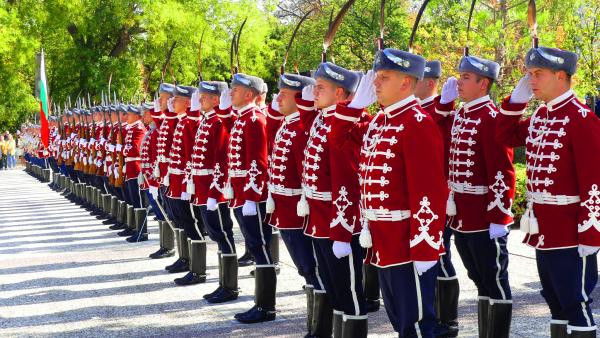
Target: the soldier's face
(471, 87)
(546, 84)
(162, 99)
(147, 117)
(180, 104)
(241, 96)
(287, 101)
(425, 88)
(208, 101)
(392, 86)
(326, 93)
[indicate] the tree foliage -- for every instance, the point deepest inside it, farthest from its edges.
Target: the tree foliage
(89, 41)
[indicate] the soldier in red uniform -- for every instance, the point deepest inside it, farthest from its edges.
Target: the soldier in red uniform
(132, 154)
(160, 165)
(247, 191)
(329, 199)
(562, 220)
(440, 107)
(208, 173)
(288, 139)
(188, 225)
(402, 189)
(482, 187)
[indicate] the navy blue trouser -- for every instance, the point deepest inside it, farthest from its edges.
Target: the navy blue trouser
(257, 233)
(342, 277)
(567, 283)
(486, 261)
(154, 204)
(132, 192)
(300, 248)
(447, 271)
(219, 226)
(181, 213)
(409, 299)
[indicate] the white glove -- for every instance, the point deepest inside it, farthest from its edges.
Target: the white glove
(195, 101)
(308, 93)
(522, 92)
(185, 196)
(111, 148)
(154, 192)
(92, 141)
(118, 148)
(423, 266)
(116, 172)
(498, 230)
(274, 103)
(211, 204)
(157, 105)
(449, 90)
(341, 249)
(586, 250)
(365, 93)
(170, 105)
(249, 208)
(225, 99)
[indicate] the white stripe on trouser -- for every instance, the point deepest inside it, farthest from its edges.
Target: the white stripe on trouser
(353, 284)
(196, 222)
(498, 269)
(223, 230)
(262, 235)
(419, 302)
(321, 286)
(585, 297)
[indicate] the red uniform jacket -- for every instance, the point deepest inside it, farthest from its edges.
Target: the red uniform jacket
(209, 158)
(482, 177)
(132, 149)
(247, 157)
(443, 116)
(181, 154)
(562, 140)
(403, 190)
(288, 138)
(163, 146)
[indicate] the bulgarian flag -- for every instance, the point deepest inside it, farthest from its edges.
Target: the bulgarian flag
(42, 95)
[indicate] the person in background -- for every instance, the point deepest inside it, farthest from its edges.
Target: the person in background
(3, 152)
(11, 150)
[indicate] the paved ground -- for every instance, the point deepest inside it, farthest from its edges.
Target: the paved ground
(64, 274)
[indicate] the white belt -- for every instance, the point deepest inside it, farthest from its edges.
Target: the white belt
(131, 159)
(146, 165)
(545, 198)
(385, 215)
(175, 171)
(279, 190)
(202, 172)
(317, 195)
(237, 173)
(469, 189)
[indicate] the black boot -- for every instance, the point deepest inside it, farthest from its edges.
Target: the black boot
(121, 217)
(184, 253)
(482, 316)
(447, 308)
(141, 229)
(229, 291)
(166, 240)
(265, 285)
(321, 326)
(197, 272)
(274, 247)
(246, 259)
(583, 334)
(338, 317)
(371, 287)
(212, 294)
(309, 290)
(178, 261)
(355, 327)
(558, 330)
(130, 230)
(499, 317)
